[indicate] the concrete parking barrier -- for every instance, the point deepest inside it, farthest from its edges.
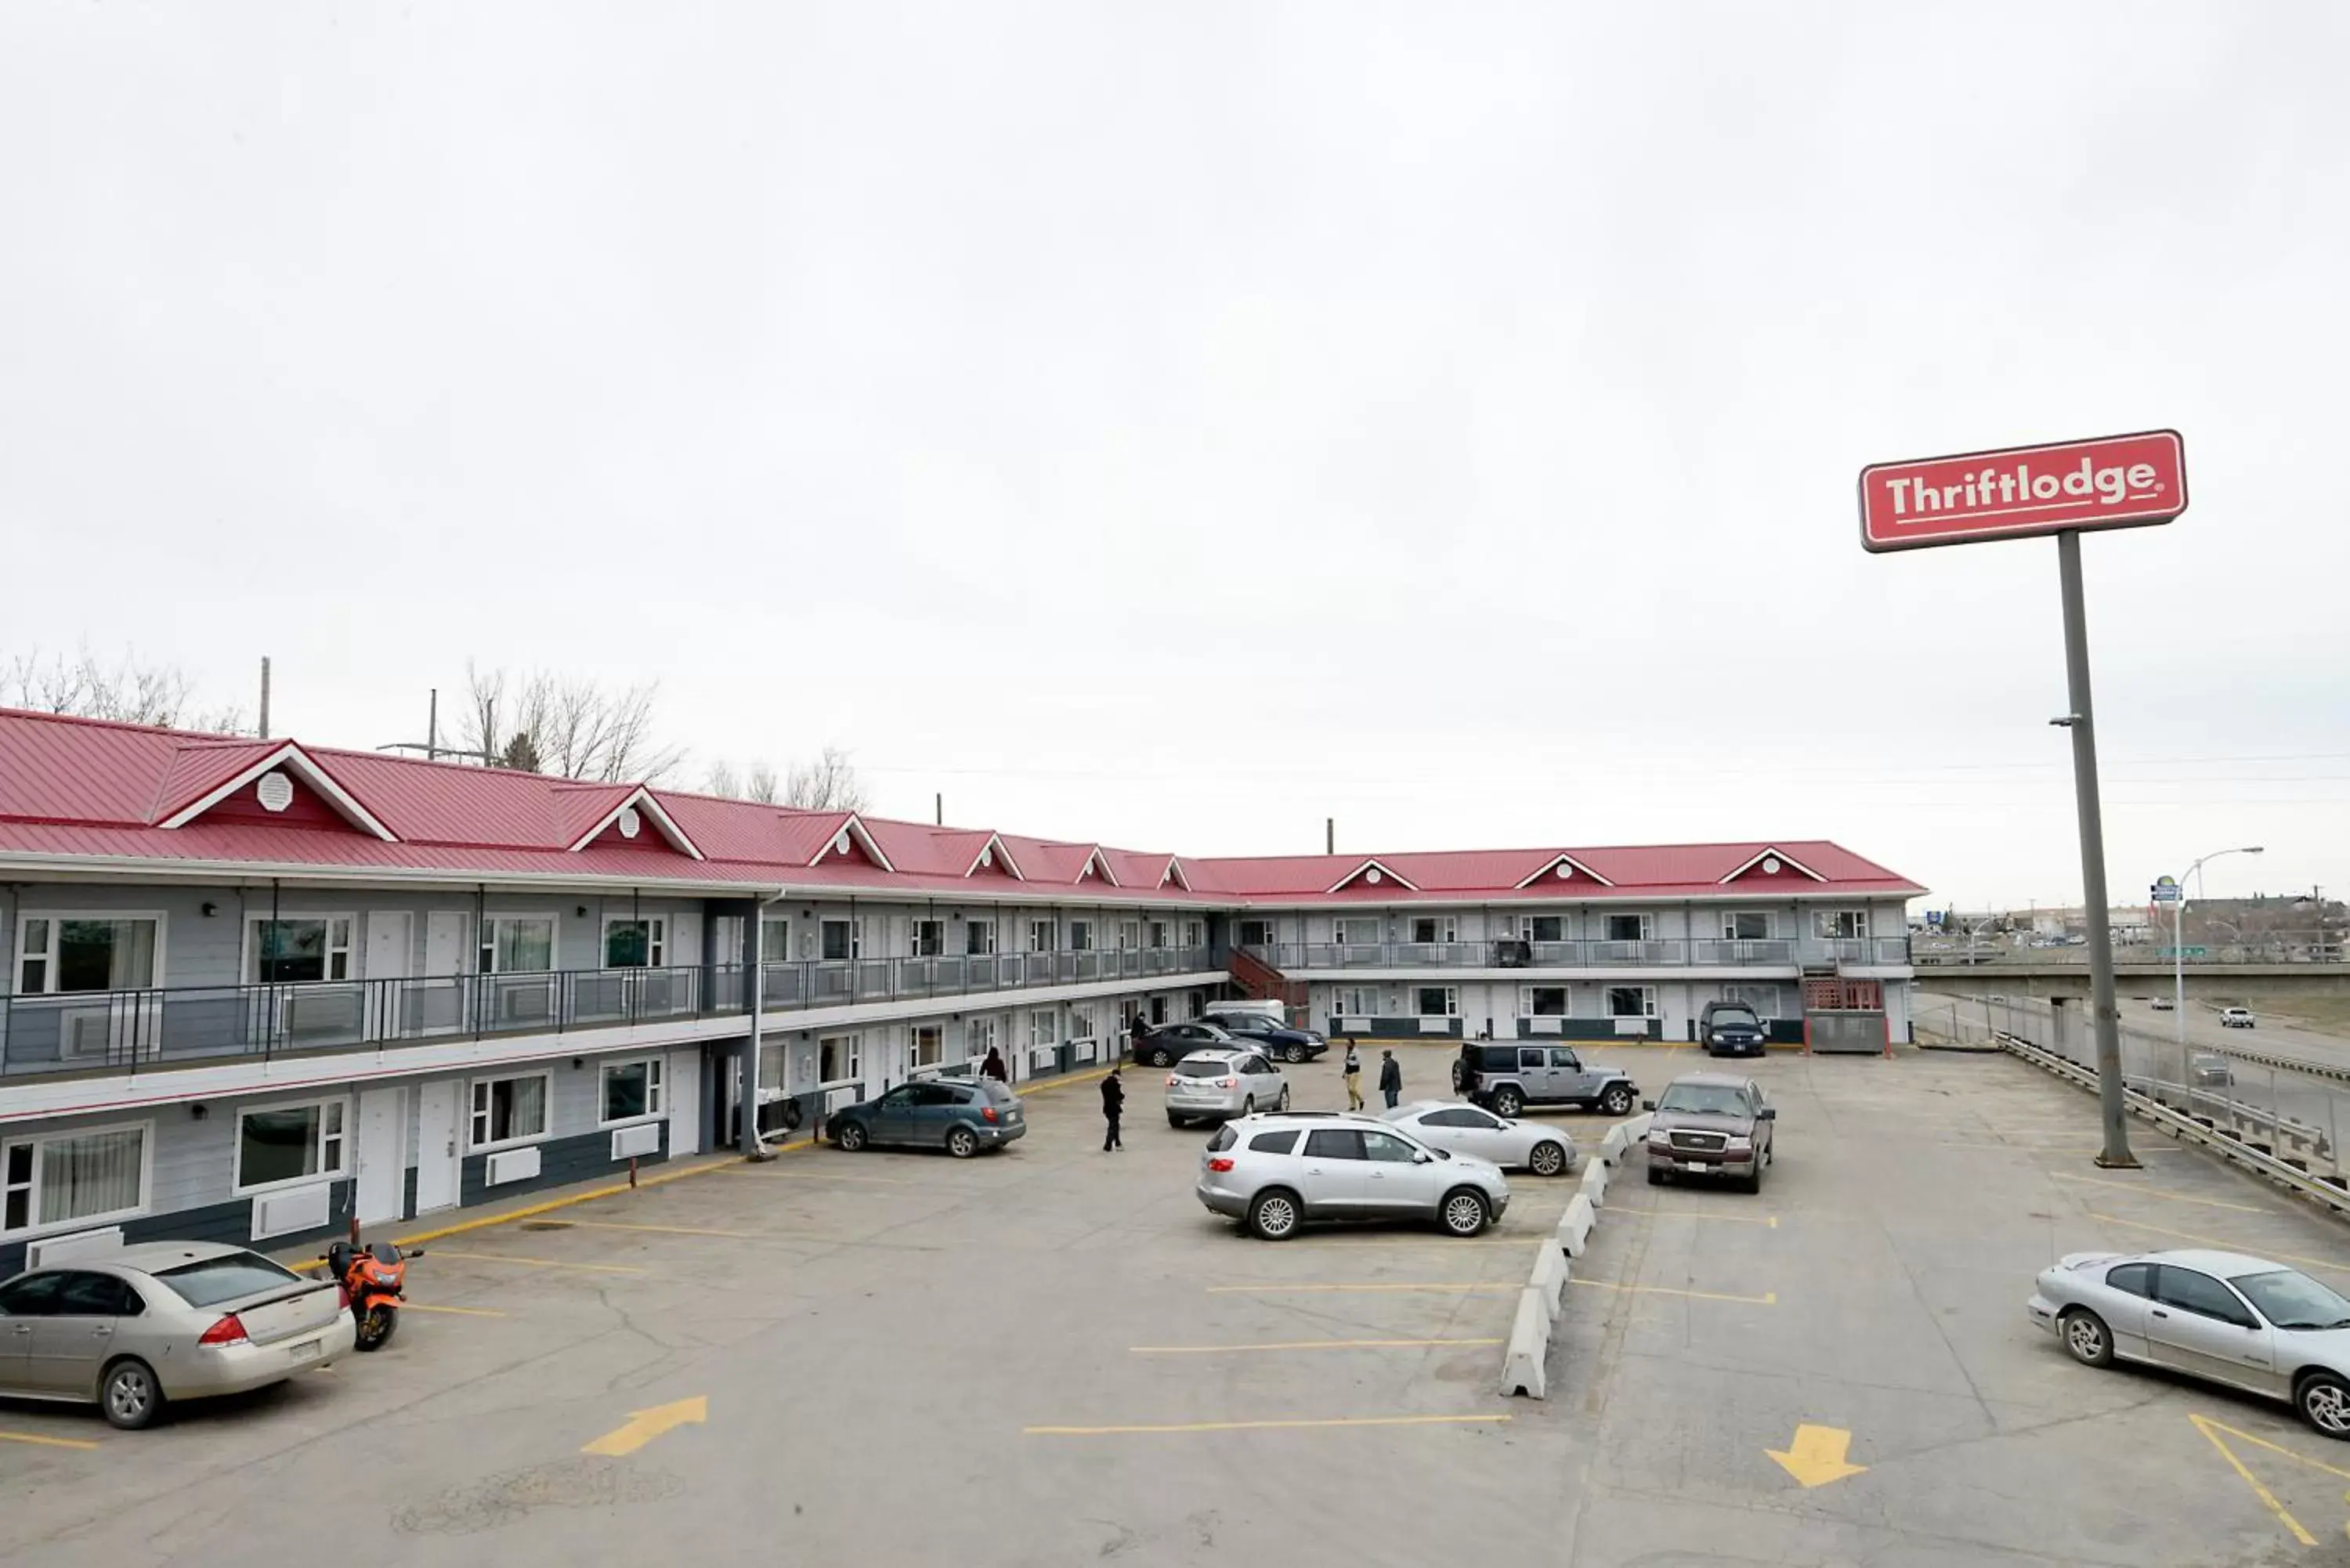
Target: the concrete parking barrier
(1595, 1183)
(1549, 1277)
(1575, 1226)
(1624, 1137)
(1522, 1367)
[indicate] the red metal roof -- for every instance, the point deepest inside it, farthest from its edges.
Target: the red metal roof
(84, 789)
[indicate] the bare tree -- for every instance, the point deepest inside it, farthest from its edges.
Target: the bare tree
(721, 780)
(826, 783)
(763, 786)
(129, 692)
(573, 727)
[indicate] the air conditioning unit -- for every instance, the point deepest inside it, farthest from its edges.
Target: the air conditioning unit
(282, 1213)
(58, 1250)
(84, 1033)
(321, 1015)
(522, 1005)
(510, 1164)
(642, 1138)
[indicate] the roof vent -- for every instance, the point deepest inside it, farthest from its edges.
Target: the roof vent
(1565, 870)
(841, 842)
(986, 857)
(629, 822)
(1771, 865)
(1372, 875)
(275, 791)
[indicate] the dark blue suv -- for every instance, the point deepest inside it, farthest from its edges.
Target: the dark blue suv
(1732, 1029)
(1275, 1040)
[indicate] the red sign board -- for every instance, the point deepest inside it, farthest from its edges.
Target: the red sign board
(2111, 481)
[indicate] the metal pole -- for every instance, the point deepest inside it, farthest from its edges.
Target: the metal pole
(2179, 977)
(2117, 1150)
(265, 696)
(753, 1148)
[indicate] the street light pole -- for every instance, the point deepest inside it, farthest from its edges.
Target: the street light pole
(2179, 956)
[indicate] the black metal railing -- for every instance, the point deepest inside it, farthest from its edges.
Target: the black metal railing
(1585, 953)
(173, 1025)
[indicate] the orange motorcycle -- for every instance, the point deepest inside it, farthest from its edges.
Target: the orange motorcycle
(373, 1280)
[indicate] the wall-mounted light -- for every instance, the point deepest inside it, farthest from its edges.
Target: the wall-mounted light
(210, 911)
(583, 911)
(578, 1063)
(195, 1111)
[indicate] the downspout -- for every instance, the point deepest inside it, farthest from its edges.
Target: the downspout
(753, 1147)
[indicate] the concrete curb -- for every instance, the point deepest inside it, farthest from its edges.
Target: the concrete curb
(1522, 1364)
(1575, 1226)
(1623, 1135)
(1549, 1280)
(1595, 1183)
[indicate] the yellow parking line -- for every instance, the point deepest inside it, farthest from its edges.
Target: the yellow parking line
(656, 1229)
(1770, 1219)
(2204, 1426)
(2159, 1192)
(1283, 1290)
(1260, 1426)
(2224, 1246)
(542, 1263)
(1299, 1344)
(452, 1312)
(1768, 1298)
(39, 1442)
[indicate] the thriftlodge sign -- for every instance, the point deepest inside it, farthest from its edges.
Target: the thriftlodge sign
(2111, 481)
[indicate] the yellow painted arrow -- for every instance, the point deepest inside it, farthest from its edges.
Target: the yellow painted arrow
(644, 1426)
(1816, 1457)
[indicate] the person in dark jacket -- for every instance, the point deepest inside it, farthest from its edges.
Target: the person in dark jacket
(994, 1066)
(1390, 1077)
(1135, 1034)
(1113, 1106)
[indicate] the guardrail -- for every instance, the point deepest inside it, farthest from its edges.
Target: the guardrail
(1584, 952)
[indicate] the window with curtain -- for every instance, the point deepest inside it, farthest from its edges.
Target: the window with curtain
(58, 955)
(289, 1143)
(775, 941)
(517, 944)
(509, 1110)
(838, 1060)
(72, 1178)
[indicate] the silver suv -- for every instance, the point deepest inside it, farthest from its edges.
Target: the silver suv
(1277, 1172)
(1217, 1086)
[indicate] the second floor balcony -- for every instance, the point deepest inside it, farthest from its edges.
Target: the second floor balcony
(160, 1027)
(1707, 952)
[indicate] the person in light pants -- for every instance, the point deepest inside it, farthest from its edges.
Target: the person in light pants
(1354, 1071)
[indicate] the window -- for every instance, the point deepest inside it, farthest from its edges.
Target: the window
(1544, 1000)
(1628, 928)
(1762, 1001)
(1545, 928)
(1334, 1143)
(1746, 925)
(978, 1038)
(926, 938)
(517, 944)
(1257, 933)
(1631, 1002)
(1361, 931)
(1563, 1059)
(925, 1045)
(97, 1295)
(1358, 1002)
(772, 1068)
(1129, 935)
(1387, 1146)
(1044, 1029)
(1040, 936)
(2291, 1300)
(293, 951)
(509, 1110)
(1461, 1116)
(212, 1281)
(1430, 928)
(1530, 1059)
(1840, 924)
(979, 937)
(1081, 936)
(636, 944)
(1191, 936)
(843, 939)
(1440, 1002)
(838, 1058)
(1273, 1142)
(280, 1146)
(72, 1179)
(632, 1090)
(2200, 1293)
(1154, 934)
(774, 940)
(58, 954)
(2132, 1279)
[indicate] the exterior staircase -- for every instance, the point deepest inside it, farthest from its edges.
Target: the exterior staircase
(1258, 980)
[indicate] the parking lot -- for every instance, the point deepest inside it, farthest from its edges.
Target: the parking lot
(1054, 1355)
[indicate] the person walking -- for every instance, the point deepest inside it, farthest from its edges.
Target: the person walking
(994, 1066)
(1390, 1077)
(1136, 1034)
(1113, 1106)
(1354, 1071)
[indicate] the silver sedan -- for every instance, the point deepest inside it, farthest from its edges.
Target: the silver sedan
(2221, 1316)
(1459, 1127)
(133, 1328)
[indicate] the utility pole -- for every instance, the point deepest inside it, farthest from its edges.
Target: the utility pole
(265, 696)
(432, 727)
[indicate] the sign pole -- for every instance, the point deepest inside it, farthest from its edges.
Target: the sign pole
(2116, 1152)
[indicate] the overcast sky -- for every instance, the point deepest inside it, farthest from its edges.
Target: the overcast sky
(1173, 424)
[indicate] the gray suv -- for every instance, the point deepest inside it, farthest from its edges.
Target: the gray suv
(1274, 1173)
(961, 1115)
(1506, 1079)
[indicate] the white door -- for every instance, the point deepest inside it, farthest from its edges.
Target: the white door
(436, 1145)
(440, 995)
(382, 1150)
(685, 1090)
(387, 950)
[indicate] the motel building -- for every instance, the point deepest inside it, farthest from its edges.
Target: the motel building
(258, 990)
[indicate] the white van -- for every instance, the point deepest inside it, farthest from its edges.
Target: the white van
(1250, 1006)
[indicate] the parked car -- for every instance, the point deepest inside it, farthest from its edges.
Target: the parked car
(961, 1115)
(2236, 1018)
(1506, 1079)
(2223, 1317)
(2209, 1070)
(2161, 1005)
(1712, 1125)
(1466, 1130)
(1732, 1029)
(1162, 1046)
(1276, 1173)
(135, 1328)
(1276, 1039)
(1217, 1086)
